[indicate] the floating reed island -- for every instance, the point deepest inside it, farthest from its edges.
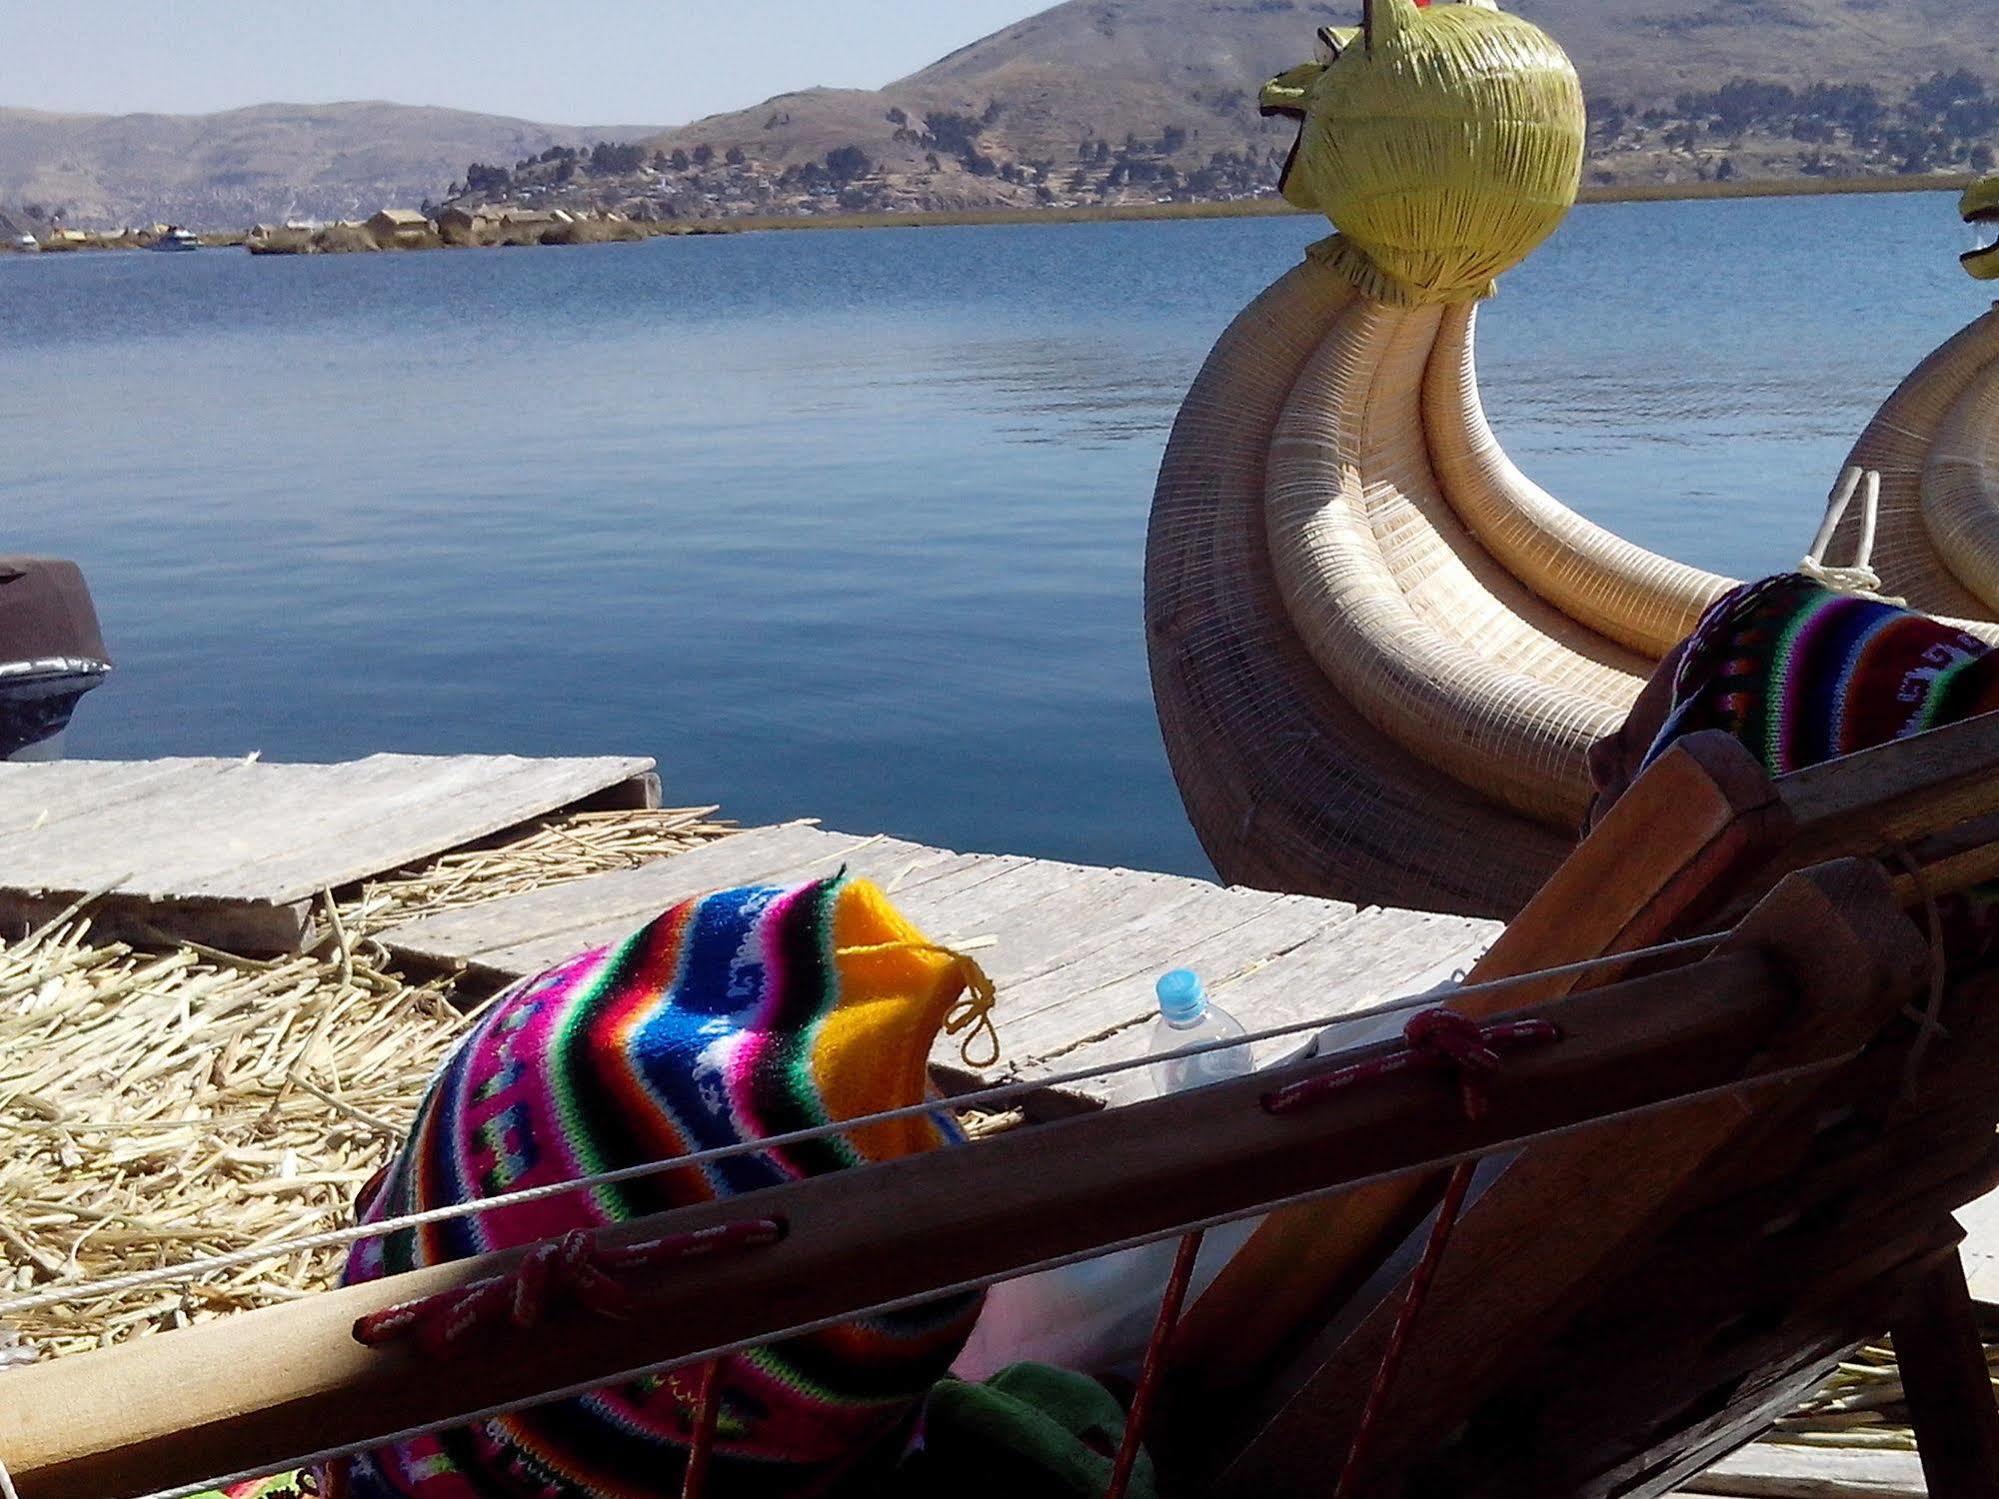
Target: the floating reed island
(165, 1102)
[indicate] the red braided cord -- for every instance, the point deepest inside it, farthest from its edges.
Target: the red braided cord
(707, 1412)
(575, 1268)
(1434, 1041)
(1154, 1367)
(1405, 1321)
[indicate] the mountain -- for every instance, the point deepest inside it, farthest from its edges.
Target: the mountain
(1094, 102)
(1110, 101)
(267, 162)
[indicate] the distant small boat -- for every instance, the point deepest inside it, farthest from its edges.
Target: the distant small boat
(176, 239)
(24, 242)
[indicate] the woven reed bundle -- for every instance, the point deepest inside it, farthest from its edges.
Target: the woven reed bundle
(1960, 489)
(1637, 598)
(1897, 444)
(1408, 617)
(163, 1105)
(1446, 145)
(1358, 697)
(1286, 784)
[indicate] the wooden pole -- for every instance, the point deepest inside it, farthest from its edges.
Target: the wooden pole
(257, 1391)
(1942, 1358)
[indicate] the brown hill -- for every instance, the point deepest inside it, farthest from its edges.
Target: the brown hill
(268, 162)
(1159, 84)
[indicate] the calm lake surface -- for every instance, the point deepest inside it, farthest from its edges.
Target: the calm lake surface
(845, 525)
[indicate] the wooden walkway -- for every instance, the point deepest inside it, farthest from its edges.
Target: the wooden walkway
(1073, 949)
(232, 852)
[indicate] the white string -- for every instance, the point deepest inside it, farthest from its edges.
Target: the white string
(1005, 1093)
(1798, 1073)
(1860, 577)
(7, 1483)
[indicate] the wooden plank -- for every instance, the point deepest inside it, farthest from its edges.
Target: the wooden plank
(284, 832)
(238, 926)
(254, 1391)
(1769, 1470)
(1073, 948)
(60, 790)
(1980, 1221)
(1942, 1362)
(1899, 791)
(226, 851)
(1345, 966)
(522, 934)
(420, 806)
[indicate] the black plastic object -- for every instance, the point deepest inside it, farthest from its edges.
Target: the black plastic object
(51, 653)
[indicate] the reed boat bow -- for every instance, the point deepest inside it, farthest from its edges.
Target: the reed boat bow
(1380, 652)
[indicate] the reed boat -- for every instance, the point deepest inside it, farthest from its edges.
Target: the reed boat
(1379, 650)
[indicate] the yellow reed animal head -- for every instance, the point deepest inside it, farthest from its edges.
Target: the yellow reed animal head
(1979, 207)
(1444, 144)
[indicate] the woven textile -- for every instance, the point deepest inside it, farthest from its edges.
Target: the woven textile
(1802, 674)
(732, 1017)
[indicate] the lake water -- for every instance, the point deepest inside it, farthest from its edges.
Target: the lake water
(845, 525)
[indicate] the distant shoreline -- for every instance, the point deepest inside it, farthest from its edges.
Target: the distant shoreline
(1252, 208)
(1263, 208)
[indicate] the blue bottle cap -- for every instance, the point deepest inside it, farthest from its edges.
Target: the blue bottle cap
(1181, 996)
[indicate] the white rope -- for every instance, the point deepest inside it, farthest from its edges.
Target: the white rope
(1005, 1093)
(1798, 1073)
(1860, 577)
(7, 1490)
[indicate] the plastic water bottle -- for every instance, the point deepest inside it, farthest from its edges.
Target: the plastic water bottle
(1096, 1316)
(1187, 1017)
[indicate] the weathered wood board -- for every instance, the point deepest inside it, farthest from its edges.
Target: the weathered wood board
(1980, 1221)
(231, 852)
(1073, 949)
(1768, 1470)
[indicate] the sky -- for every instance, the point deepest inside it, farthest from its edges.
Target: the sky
(565, 62)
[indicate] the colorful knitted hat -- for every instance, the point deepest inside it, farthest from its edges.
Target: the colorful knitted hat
(733, 1017)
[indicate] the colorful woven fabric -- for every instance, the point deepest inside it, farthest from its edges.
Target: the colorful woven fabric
(733, 1017)
(1802, 674)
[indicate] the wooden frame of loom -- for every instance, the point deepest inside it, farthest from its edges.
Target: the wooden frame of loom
(1692, 1289)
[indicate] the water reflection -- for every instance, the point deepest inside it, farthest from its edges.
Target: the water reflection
(840, 525)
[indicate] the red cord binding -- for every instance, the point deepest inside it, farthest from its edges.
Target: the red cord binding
(1436, 1040)
(1154, 1368)
(707, 1413)
(574, 1268)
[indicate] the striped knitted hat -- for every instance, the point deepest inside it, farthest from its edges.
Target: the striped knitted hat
(733, 1017)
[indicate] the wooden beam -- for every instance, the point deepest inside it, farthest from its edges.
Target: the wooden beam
(1683, 835)
(1901, 790)
(1942, 1359)
(256, 1391)
(1509, 1283)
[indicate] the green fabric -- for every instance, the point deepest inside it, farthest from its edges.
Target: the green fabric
(1029, 1432)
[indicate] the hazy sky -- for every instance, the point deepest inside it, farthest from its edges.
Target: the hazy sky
(584, 62)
